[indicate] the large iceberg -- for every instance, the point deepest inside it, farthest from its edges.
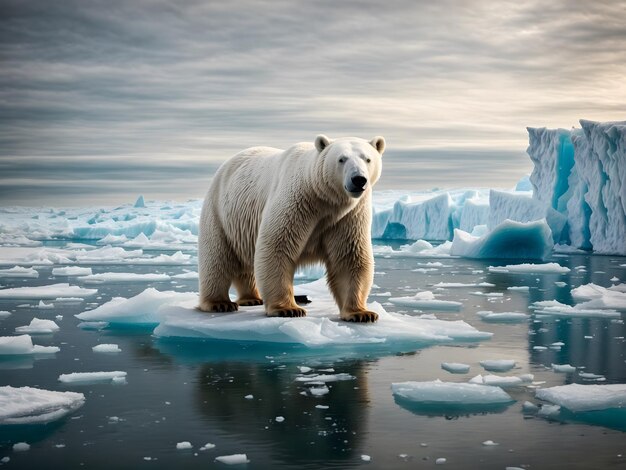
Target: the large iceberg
(177, 317)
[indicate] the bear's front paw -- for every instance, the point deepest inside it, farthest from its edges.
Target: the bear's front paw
(287, 312)
(249, 302)
(224, 306)
(364, 316)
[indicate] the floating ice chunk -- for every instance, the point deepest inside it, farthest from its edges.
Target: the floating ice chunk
(18, 271)
(504, 317)
(455, 367)
(601, 297)
(178, 258)
(91, 377)
(325, 378)
(461, 284)
(508, 240)
(563, 368)
(304, 369)
(21, 447)
(124, 277)
(561, 248)
(143, 308)
(112, 240)
(177, 317)
(106, 348)
(71, 271)
(279, 419)
(438, 392)
(38, 326)
(207, 446)
(234, 459)
(4, 314)
(187, 275)
(490, 443)
(322, 407)
(576, 397)
(366, 458)
(46, 292)
(498, 365)
(23, 345)
(488, 294)
(419, 249)
(548, 411)
(440, 461)
(140, 202)
(519, 288)
(529, 407)
(560, 283)
(44, 306)
(591, 376)
(498, 381)
(185, 445)
(426, 300)
(249, 397)
(27, 405)
(530, 268)
(553, 307)
(319, 391)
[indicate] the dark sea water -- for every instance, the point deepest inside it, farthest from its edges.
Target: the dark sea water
(194, 390)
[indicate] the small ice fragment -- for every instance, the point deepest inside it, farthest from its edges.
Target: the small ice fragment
(560, 283)
(498, 365)
(504, 317)
(5, 459)
(490, 443)
(21, 447)
(4, 314)
(38, 326)
(322, 407)
(590, 376)
(540, 348)
(71, 271)
(106, 348)
(440, 461)
(89, 377)
(279, 419)
(529, 407)
(319, 391)
(563, 368)
(614, 279)
(423, 444)
(499, 381)
(184, 445)
(304, 369)
(249, 397)
(59, 317)
(234, 459)
(455, 367)
(519, 288)
(42, 305)
(325, 378)
(207, 446)
(549, 410)
(23, 345)
(366, 458)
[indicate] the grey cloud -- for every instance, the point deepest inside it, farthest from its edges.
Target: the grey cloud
(164, 81)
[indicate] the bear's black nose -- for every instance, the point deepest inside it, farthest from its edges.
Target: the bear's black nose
(359, 181)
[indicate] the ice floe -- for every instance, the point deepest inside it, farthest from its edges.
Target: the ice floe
(455, 367)
(123, 277)
(93, 377)
(38, 326)
(577, 397)
(46, 292)
(497, 365)
(530, 268)
(234, 459)
(20, 272)
(106, 348)
(500, 381)
(23, 345)
(177, 317)
(27, 405)
(502, 317)
(426, 300)
(437, 392)
(71, 271)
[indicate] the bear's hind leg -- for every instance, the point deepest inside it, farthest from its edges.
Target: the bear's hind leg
(247, 290)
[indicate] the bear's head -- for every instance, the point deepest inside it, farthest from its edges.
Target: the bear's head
(351, 165)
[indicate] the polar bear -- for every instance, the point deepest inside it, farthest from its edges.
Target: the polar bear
(269, 211)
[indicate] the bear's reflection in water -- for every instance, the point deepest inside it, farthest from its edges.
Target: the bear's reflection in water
(307, 433)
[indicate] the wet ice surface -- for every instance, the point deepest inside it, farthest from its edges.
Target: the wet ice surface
(337, 403)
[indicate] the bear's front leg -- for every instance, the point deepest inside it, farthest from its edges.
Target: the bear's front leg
(280, 242)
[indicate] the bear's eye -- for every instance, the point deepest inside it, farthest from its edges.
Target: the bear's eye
(342, 160)
(368, 160)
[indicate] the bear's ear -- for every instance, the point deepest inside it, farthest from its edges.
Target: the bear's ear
(321, 142)
(378, 143)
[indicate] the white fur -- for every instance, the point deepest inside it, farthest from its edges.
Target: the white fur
(269, 211)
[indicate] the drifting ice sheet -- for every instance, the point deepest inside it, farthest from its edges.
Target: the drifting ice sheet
(438, 392)
(176, 315)
(576, 397)
(23, 345)
(123, 277)
(46, 292)
(27, 405)
(18, 271)
(38, 326)
(91, 377)
(530, 268)
(503, 317)
(426, 300)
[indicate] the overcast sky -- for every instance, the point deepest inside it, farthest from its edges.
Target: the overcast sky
(103, 100)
